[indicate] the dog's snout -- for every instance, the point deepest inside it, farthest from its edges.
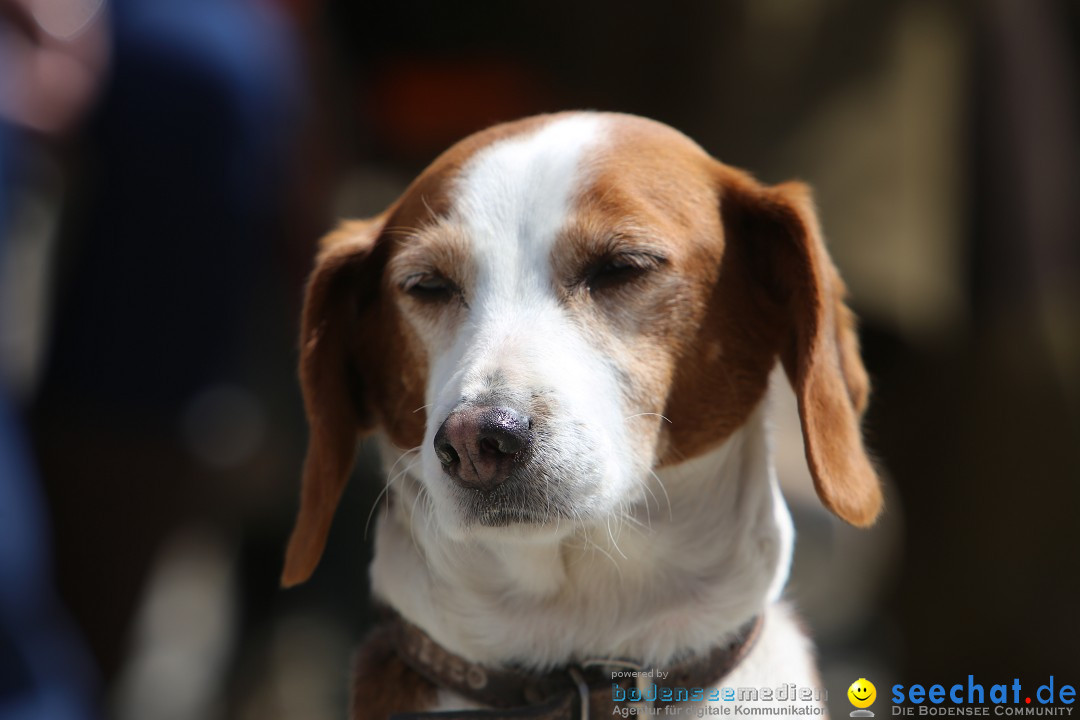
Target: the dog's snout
(477, 446)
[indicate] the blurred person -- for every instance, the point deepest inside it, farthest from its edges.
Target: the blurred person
(170, 194)
(170, 231)
(50, 61)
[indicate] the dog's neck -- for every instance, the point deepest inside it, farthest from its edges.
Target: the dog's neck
(677, 576)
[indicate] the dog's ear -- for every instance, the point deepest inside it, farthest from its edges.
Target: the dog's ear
(776, 230)
(339, 301)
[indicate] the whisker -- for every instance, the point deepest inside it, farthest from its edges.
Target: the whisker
(400, 458)
(575, 517)
(635, 524)
(614, 543)
(412, 523)
(648, 512)
(429, 513)
(649, 490)
(386, 488)
(374, 505)
(605, 553)
(671, 513)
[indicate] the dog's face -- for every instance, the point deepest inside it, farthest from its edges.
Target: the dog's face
(550, 294)
(557, 307)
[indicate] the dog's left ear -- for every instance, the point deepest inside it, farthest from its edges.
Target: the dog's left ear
(337, 407)
(776, 229)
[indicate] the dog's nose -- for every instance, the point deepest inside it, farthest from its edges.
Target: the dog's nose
(478, 445)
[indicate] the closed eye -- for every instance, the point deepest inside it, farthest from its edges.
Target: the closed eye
(612, 271)
(430, 287)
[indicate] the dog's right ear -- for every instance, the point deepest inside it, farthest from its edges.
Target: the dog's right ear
(341, 298)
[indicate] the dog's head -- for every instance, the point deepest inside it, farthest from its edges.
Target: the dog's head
(558, 306)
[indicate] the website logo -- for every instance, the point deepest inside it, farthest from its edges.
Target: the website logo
(1052, 697)
(862, 695)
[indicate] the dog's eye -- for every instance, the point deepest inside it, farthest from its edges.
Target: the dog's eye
(429, 286)
(621, 269)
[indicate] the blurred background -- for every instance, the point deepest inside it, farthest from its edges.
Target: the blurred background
(166, 169)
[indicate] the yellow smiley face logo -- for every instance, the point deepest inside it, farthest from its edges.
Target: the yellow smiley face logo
(862, 693)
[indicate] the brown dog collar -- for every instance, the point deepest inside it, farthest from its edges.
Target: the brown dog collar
(576, 692)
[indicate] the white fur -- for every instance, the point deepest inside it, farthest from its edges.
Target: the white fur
(511, 201)
(654, 567)
(673, 579)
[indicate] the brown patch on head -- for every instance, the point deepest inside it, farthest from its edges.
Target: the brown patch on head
(745, 279)
(651, 190)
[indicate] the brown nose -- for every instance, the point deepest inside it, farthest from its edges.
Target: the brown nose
(477, 446)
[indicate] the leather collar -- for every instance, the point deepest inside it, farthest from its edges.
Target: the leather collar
(571, 693)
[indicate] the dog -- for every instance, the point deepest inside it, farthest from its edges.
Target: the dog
(561, 337)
